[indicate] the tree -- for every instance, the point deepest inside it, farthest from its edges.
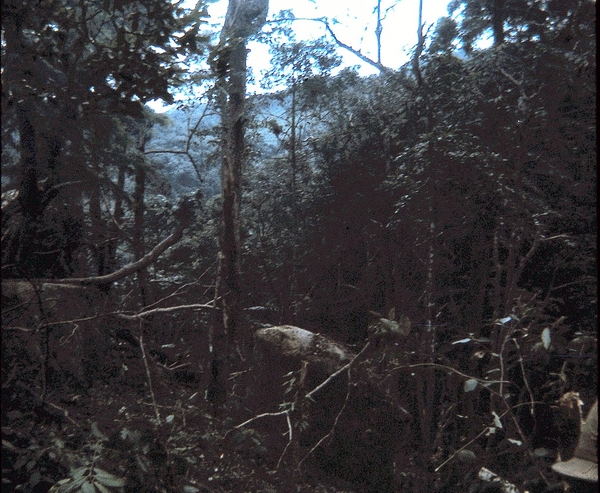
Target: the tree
(282, 179)
(69, 68)
(244, 18)
(518, 20)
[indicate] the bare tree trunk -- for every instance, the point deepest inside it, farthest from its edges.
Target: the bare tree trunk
(243, 19)
(233, 157)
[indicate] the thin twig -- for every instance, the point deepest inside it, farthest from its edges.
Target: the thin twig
(531, 399)
(339, 414)
(461, 449)
(333, 375)
(148, 375)
(287, 416)
(65, 413)
(179, 289)
(454, 370)
(261, 416)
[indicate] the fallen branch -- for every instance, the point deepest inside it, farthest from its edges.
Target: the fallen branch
(289, 423)
(263, 415)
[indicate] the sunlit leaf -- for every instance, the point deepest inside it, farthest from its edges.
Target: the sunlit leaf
(497, 422)
(470, 385)
(541, 452)
(462, 341)
(546, 338)
(79, 473)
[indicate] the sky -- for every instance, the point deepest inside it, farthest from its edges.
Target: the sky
(355, 26)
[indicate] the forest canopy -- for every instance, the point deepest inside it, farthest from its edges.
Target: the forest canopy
(434, 224)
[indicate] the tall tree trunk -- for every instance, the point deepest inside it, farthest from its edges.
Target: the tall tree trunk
(243, 19)
(222, 335)
(231, 182)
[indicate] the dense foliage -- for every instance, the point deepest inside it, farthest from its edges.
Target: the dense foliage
(455, 195)
(75, 75)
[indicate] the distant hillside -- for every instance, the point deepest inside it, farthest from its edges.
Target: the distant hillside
(203, 169)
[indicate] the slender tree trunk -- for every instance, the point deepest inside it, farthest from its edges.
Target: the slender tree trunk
(113, 243)
(138, 228)
(378, 31)
(98, 231)
(426, 383)
(498, 21)
(293, 131)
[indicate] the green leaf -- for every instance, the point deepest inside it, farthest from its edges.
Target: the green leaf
(190, 489)
(102, 488)
(58, 487)
(79, 473)
(97, 433)
(108, 479)
(470, 384)
(88, 488)
(73, 486)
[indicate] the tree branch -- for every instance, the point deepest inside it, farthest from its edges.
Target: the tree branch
(129, 269)
(346, 367)
(378, 65)
(145, 313)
